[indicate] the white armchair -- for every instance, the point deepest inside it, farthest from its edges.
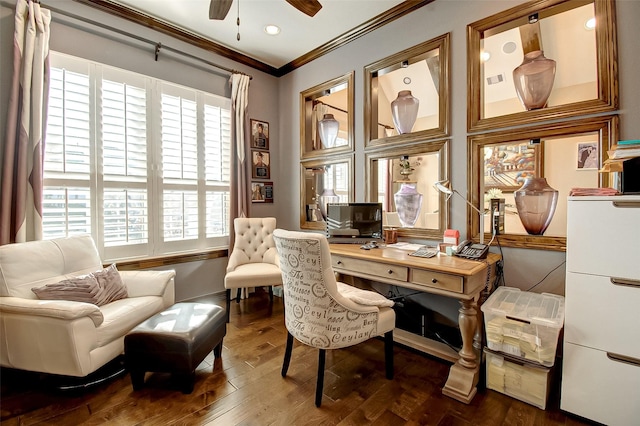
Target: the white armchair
(254, 260)
(68, 337)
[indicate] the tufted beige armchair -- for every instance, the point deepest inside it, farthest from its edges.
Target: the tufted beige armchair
(322, 313)
(254, 259)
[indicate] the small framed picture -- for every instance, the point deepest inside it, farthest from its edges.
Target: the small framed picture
(262, 192)
(587, 156)
(260, 164)
(259, 134)
(508, 165)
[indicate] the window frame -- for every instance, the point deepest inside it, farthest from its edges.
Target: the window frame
(153, 183)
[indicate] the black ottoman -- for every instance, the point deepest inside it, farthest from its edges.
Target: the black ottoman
(175, 341)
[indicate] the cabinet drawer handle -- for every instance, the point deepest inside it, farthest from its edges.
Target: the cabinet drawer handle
(389, 272)
(627, 204)
(339, 262)
(624, 282)
(433, 280)
(623, 358)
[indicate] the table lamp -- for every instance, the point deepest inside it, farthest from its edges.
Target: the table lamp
(444, 186)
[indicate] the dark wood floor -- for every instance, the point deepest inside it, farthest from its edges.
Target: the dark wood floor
(245, 388)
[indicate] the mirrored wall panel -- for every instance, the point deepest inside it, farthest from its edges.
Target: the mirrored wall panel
(326, 118)
(541, 60)
(407, 95)
(322, 182)
(563, 157)
(402, 180)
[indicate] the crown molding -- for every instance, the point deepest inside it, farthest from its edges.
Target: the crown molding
(182, 34)
(382, 19)
(179, 33)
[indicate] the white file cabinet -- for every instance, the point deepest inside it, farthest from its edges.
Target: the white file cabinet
(601, 358)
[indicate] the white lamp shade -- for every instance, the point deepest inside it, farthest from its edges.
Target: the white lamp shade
(328, 128)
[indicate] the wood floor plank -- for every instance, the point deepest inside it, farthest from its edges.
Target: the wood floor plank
(377, 406)
(245, 387)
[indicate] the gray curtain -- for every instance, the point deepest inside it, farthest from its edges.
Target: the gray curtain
(22, 171)
(240, 160)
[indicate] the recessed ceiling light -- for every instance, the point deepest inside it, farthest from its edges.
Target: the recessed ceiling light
(272, 29)
(485, 56)
(509, 47)
(407, 80)
(590, 24)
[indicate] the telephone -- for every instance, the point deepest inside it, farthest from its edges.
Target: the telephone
(470, 250)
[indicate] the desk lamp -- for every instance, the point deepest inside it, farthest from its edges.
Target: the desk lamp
(444, 186)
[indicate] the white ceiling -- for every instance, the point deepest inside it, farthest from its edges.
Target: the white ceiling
(299, 33)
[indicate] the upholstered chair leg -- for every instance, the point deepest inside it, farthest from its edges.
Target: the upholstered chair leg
(228, 303)
(217, 351)
(388, 353)
(320, 382)
(287, 354)
(271, 293)
(238, 294)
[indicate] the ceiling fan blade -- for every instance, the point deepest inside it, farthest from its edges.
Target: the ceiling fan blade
(308, 7)
(218, 9)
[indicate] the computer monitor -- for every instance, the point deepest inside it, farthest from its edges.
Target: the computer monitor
(355, 223)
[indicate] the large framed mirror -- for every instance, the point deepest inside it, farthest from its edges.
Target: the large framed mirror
(546, 59)
(323, 181)
(407, 95)
(568, 155)
(402, 179)
(326, 118)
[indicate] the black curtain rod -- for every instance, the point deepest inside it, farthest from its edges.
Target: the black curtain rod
(157, 45)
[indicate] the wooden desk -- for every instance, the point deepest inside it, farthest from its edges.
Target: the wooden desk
(444, 275)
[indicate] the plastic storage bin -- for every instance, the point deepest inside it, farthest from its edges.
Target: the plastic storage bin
(524, 324)
(522, 380)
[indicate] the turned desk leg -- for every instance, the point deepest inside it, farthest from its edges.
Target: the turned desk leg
(463, 376)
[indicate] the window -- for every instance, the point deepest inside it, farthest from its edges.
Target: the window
(141, 164)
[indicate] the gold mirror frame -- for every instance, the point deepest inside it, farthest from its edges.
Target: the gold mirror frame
(318, 165)
(409, 56)
(441, 147)
(606, 53)
(606, 127)
(309, 98)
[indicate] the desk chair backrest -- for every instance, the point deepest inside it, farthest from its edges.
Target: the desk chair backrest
(316, 314)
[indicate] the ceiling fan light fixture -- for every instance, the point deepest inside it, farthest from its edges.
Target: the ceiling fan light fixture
(272, 29)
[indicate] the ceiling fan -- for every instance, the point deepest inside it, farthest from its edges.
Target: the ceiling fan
(218, 9)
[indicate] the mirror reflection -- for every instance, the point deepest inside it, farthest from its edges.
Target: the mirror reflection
(573, 78)
(402, 180)
(326, 117)
(323, 182)
(570, 162)
(566, 157)
(406, 94)
(542, 60)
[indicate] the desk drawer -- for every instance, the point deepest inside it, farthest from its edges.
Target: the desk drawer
(437, 280)
(383, 270)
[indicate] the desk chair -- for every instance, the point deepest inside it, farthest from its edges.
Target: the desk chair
(319, 310)
(254, 259)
